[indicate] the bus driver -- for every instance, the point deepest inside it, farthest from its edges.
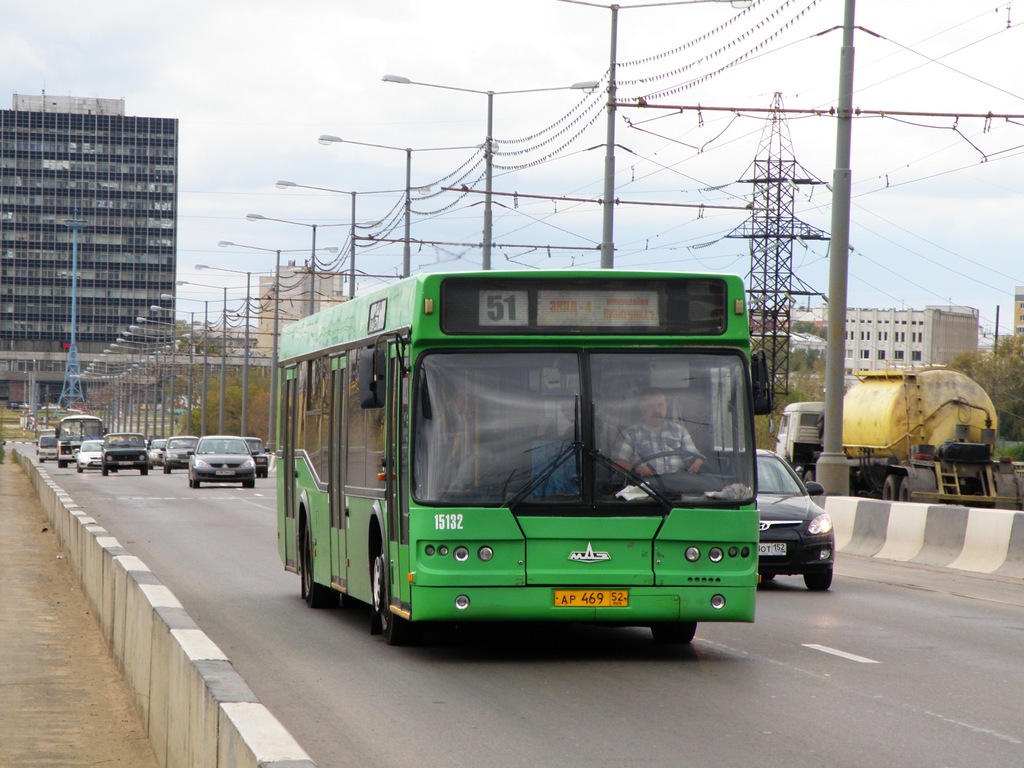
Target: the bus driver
(655, 436)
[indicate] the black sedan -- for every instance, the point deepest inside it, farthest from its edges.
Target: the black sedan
(796, 534)
(221, 459)
(259, 455)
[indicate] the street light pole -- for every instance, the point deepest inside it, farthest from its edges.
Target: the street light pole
(488, 233)
(608, 196)
(485, 260)
(353, 224)
(832, 467)
(223, 362)
(206, 367)
(406, 246)
(326, 139)
(312, 256)
(272, 408)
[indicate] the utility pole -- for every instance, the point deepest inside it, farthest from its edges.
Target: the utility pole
(832, 470)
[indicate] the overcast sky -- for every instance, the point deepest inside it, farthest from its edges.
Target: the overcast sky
(937, 201)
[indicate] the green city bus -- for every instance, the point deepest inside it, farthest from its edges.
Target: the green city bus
(448, 451)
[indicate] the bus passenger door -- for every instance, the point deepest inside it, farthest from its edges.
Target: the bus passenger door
(286, 530)
(396, 469)
(335, 483)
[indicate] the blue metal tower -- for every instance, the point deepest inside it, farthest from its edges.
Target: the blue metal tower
(71, 394)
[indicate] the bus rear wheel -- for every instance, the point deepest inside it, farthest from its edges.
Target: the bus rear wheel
(675, 632)
(315, 595)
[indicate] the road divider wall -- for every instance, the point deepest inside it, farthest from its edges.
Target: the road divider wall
(965, 538)
(195, 707)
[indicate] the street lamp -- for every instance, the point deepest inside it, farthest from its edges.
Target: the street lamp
(191, 360)
(326, 139)
(588, 85)
(312, 253)
(174, 360)
(223, 357)
(354, 223)
(272, 409)
(163, 409)
(608, 198)
(245, 363)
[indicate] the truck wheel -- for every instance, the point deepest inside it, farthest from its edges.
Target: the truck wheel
(891, 488)
(904, 492)
(144, 470)
(167, 469)
(104, 471)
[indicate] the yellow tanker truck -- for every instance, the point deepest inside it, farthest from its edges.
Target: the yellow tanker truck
(922, 435)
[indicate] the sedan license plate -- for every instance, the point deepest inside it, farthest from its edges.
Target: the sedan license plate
(772, 549)
(591, 598)
(224, 472)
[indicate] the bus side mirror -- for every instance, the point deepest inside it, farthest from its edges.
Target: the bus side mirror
(761, 382)
(372, 365)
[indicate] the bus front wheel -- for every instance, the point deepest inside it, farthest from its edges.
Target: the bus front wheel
(396, 630)
(675, 632)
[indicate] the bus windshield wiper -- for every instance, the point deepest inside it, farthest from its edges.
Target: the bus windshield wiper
(568, 450)
(634, 478)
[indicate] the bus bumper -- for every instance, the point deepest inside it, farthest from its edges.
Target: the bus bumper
(646, 605)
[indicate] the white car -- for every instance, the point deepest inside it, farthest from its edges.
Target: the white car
(90, 455)
(156, 452)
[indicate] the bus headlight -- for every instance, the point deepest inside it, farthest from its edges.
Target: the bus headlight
(718, 602)
(461, 554)
(485, 554)
(692, 554)
(715, 555)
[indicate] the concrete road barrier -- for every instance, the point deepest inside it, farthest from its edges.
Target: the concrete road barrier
(968, 539)
(195, 707)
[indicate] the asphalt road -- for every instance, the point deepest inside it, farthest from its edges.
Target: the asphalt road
(896, 666)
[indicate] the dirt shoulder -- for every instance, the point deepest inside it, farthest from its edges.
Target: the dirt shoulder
(62, 698)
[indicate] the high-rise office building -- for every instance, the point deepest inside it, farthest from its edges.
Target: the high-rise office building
(68, 164)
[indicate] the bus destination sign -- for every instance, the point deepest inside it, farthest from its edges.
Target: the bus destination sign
(568, 306)
(607, 309)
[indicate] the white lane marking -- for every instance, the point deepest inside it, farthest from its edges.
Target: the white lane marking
(841, 654)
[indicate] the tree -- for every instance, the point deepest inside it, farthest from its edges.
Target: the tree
(1001, 374)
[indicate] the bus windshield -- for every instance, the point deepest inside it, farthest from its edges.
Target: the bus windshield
(81, 429)
(572, 429)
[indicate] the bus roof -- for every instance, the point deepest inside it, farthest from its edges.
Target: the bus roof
(415, 302)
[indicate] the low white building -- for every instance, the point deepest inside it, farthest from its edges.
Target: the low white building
(901, 338)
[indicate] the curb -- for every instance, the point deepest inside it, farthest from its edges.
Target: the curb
(194, 706)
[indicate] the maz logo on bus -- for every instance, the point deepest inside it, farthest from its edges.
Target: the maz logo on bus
(452, 522)
(590, 556)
